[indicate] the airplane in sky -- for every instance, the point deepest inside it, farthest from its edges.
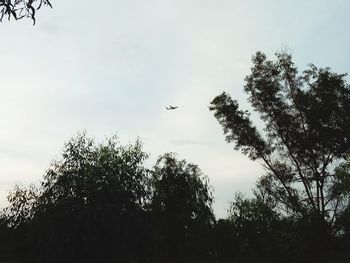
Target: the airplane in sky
(171, 107)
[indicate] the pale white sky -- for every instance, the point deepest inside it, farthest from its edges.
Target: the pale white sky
(112, 67)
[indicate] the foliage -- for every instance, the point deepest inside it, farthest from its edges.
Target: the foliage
(254, 223)
(182, 210)
(97, 202)
(307, 132)
(342, 187)
(256, 232)
(19, 9)
(90, 207)
(254, 210)
(16, 219)
(23, 201)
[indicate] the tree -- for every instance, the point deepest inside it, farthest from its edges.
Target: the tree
(259, 233)
(255, 226)
(342, 187)
(23, 201)
(16, 219)
(19, 9)
(182, 211)
(91, 205)
(307, 132)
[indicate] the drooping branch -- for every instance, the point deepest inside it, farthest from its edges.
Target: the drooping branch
(238, 128)
(19, 9)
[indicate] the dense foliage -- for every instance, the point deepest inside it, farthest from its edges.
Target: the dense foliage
(99, 203)
(182, 211)
(90, 205)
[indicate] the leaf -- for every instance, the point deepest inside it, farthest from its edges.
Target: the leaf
(14, 14)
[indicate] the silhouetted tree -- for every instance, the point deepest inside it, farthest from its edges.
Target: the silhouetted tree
(23, 201)
(307, 132)
(19, 9)
(182, 211)
(18, 217)
(342, 220)
(256, 232)
(90, 207)
(254, 223)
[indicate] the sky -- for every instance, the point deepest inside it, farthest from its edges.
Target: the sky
(112, 67)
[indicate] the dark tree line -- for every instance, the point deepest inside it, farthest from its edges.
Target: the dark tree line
(98, 202)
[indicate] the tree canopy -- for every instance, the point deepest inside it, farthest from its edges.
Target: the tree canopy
(182, 210)
(90, 206)
(307, 132)
(98, 202)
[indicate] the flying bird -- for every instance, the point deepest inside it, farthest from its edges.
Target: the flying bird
(171, 107)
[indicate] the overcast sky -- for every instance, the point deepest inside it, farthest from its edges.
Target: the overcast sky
(112, 66)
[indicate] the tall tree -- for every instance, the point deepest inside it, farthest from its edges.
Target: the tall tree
(182, 211)
(19, 9)
(90, 207)
(307, 132)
